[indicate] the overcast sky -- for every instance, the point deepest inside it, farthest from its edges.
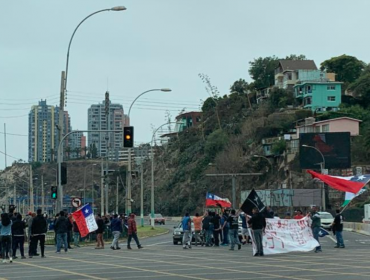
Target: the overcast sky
(155, 44)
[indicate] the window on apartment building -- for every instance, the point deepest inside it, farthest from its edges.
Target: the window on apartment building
(317, 128)
(289, 75)
(331, 98)
(330, 87)
(309, 89)
(325, 128)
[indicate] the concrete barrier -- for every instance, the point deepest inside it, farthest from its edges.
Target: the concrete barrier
(357, 227)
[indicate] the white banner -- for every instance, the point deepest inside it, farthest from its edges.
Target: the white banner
(283, 236)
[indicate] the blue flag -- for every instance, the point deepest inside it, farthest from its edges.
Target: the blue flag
(323, 232)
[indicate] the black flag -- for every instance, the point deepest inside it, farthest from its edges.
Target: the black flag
(252, 201)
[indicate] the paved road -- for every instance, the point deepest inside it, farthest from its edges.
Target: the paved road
(162, 260)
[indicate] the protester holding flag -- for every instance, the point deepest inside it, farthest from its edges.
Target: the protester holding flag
(316, 224)
(338, 229)
(258, 223)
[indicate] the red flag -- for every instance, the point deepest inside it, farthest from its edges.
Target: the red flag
(214, 200)
(351, 184)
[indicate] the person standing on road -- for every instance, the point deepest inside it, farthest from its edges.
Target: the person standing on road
(225, 228)
(76, 235)
(39, 229)
(197, 220)
(245, 233)
(61, 229)
(18, 228)
(338, 229)
(186, 228)
(233, 230)
(70, 229)
(132, 232)
(216, 228)
(29, 232)
(99, 232)
(207, 229)
(316, 224)
(258, 223)
(116, 228)
(6, 237)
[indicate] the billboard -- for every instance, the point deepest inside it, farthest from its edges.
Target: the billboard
(334, 146)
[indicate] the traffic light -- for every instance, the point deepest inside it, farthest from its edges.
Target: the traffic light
(64, 173)
(54, 192)
(128, 136)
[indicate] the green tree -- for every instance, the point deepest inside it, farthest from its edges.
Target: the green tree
(361, 89)
(280, 98)
(347, 68)
(296, 57)
(93, 150)
(215, 142)
(240, 86)
(262, 71)
(68, 151)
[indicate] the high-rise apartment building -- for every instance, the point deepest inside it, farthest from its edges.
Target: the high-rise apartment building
(98, 120)
(43, 135)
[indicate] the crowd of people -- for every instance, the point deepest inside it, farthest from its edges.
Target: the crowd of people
(215, 229)
(33, 229)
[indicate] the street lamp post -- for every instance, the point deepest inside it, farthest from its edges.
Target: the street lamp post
(85, 179)
(128, 198)
(152, 187)
(64, 77)
(322, 167)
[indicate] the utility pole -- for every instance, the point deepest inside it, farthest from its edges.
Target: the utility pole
(117, 197)
(32, 206)
(42, 194)
(128, 209)
(101, 188)
(141, 192)
(233, 179)
(106, 187)
(5, 145)
(107, 138)
(15, 195)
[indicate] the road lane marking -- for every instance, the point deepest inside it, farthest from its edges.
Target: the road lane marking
(280, 259)
(63, 271)
(150, 245)
(207, 267)
(130, 267)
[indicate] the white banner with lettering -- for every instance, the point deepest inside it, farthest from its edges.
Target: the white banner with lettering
(284, 235)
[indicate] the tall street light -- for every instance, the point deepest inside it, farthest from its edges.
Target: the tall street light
(152, 188)
(93, 164)
(322, 167)
(128, 199)
(64, 77)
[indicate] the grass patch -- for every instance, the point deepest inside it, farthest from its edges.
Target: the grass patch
(147, 231)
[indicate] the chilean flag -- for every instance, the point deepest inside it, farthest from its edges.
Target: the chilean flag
(352, 184)
(214, 200)
(85, 220)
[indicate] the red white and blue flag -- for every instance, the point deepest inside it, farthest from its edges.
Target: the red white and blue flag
(214, 200)
(85, 220)
(352, 184)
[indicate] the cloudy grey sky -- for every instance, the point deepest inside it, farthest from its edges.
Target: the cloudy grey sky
(154, 44)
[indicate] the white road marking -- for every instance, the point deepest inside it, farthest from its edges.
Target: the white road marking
(167, 242)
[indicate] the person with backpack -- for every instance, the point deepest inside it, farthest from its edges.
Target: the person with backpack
(233, 230)
(18, 232)
(6, 237)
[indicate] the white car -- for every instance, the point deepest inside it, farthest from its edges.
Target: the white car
(326, 220)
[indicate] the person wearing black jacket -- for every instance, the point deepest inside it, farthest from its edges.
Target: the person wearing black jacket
(258, 223)
(39, 229)
(338, 229)
(61, 229)
(18, 227)
(69, 232)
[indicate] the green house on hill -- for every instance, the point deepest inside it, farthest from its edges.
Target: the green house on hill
(319, 96)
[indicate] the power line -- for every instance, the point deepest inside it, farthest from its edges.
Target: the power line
(13, 134)
(9, 155)
(13, 117)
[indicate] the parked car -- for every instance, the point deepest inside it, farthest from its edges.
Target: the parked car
(178, 233)
(158, 219)
(326, 220)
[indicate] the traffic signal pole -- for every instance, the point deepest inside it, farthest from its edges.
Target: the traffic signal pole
(59, 205)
